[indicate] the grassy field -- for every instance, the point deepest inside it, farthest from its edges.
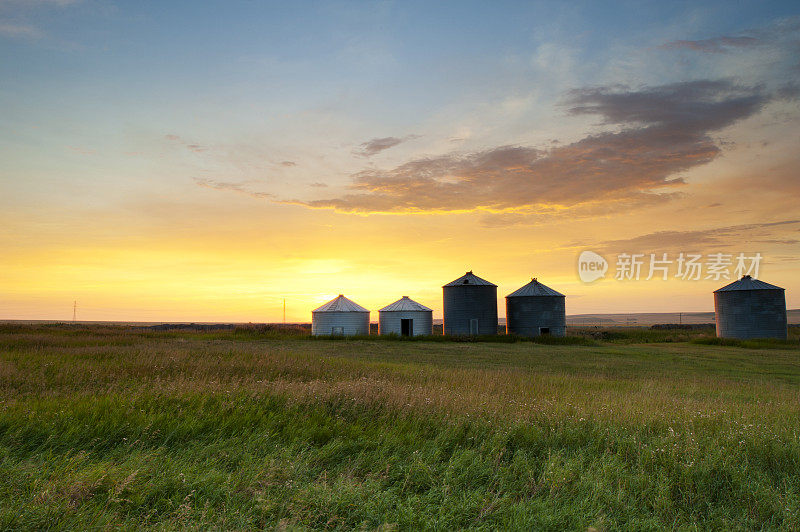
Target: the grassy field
(104, 427)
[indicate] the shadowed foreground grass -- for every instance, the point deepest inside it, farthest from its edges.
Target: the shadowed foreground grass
(110, 427)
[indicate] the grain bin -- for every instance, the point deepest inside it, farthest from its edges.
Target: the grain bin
(534, 310)
(749, 308)
(405, 317)
(470, 306)
(340, 317)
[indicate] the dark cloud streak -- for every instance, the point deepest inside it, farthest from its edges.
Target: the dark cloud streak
(377, 145)
(197, 148)
(716, 45)
(690, 241)
(234, 187)
(776, 33)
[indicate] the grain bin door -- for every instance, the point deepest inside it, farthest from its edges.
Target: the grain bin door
(406, 327)
(473, 326)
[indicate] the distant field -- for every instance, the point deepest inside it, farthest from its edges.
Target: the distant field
(602, 320)
(258, 427)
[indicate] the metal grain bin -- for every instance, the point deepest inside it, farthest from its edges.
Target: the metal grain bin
(470, 306)
(340, 317)
(405, 317)
(749, 308)
(536, 309)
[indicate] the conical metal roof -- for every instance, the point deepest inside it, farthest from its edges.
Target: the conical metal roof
(470, 278)
(748, 283)
(340, 304)
(405, 304)
(535, 288)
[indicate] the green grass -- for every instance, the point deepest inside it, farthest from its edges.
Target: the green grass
(110, 427)
(755, 343)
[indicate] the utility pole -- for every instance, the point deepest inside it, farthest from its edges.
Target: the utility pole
(284, 311)
(680, 318)
(74, 310)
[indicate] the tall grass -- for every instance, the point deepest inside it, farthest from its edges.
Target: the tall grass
(755, 343)
(106, 427)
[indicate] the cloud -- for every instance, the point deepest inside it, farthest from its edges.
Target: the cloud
(788, 241)
(319, 185)
(288, 163)
(32, 3)
(689, 241)
(658, 132)
(82, 151)
(698, 107)
(540, 215)
(781, 35)
(20, 31)
(235, 187)
(377, 145)
(197, 148)
(19, 9)
(771, 35)
(716, 44)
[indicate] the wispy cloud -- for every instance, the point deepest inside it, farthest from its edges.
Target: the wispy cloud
(16, 14)
(241, 187)
(82, 151)
(20, 31)
(31, 3)
(544, 214)
(377, 145)
(716, 44)
(658, 132)
(690, 241)
(764, 36)
(192, 146)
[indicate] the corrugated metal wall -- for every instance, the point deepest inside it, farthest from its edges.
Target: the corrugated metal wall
(463, 303)
(750, 314)
(351, 323)
(389, 322)
(525, 316)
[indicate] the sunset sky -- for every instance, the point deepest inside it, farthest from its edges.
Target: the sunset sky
(199, 161)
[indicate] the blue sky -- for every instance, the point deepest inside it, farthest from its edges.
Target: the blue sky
(171, 57)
